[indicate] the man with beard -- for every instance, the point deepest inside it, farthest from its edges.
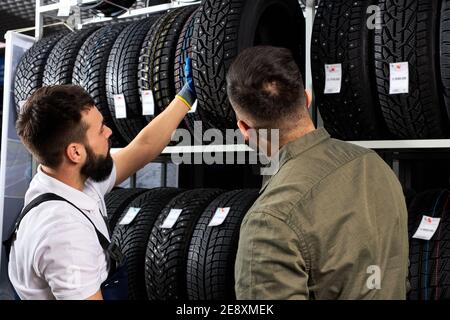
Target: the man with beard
(56, 252)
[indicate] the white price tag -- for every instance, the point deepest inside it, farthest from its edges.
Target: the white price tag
(399, 78)
(148, 103)
(64, 8)
(219, 217)
(194, 107)
(171, 219)
(120, 106)
(333, 78)
(427, 228)
(129, 216)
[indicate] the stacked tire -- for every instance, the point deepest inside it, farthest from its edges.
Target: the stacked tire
(167, 249)
(133, 71)
(212, 250)
(420, 113)
(386, 35)
(157, 58)
(116, 202)
(29, 74)
(224, 28)
(132, 238)
(430, 259)
(179, 244)
(122, 78)
(90, 71)
(340, 36)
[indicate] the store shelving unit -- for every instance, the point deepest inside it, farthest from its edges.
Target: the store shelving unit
(396, 153)
(64, 5)
(309, 8)
(391, 149)
(309, 12)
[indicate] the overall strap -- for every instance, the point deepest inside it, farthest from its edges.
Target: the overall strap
(112, 249)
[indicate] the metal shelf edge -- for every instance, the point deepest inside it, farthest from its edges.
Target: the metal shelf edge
(130, 13)
(386, 144)
(404, 144)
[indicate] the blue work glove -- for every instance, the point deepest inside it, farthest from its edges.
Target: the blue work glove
(189, 75)
(187, 93)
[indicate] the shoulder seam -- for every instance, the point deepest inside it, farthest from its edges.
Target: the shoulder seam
(369, 152)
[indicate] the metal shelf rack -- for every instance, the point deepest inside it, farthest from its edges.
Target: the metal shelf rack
(309, 9)
(65, 5)
(391, 149)
(397, 150)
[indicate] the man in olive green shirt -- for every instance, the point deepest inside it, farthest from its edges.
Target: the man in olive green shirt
(331, 223)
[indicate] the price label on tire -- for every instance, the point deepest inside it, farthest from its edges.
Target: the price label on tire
(148, 103)
(399, 78)
(219, 217)
(427, 228)
(120, 106)
(171, 219)
(333, 78)
(129, 216)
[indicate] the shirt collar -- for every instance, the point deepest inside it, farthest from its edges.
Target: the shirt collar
(295, 148)
(80, 199)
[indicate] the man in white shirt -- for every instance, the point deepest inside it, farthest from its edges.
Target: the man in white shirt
(56, 253)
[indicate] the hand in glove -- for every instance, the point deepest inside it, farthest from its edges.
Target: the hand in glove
(187, 93)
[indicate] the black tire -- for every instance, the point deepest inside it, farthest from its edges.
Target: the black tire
(61, 61)
(122, 77)
(167, 250)
(90, 72)
(116, 202)
(184, 50)
(132, 239)
(341, 35)
(157, 58)
(408, 34)
(30, 72)
(410, 195)
(212, 250)
(430, 260)
(146, 59)
(222, 30)
(445, 52)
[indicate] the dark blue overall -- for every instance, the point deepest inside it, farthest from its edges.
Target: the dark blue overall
(115, 286)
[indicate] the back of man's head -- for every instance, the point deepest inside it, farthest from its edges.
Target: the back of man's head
(51, 119)
(265, 84)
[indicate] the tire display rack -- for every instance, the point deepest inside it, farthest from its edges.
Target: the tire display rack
(309, 8)
(397, 153)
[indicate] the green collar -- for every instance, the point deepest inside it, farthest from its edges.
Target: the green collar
(295, 148)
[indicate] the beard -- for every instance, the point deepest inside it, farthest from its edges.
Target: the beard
(97, 167)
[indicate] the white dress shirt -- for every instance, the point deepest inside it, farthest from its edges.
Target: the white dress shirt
(56, 254)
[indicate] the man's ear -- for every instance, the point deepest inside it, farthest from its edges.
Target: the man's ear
(74, 152)
(244, 127)
(308, 99)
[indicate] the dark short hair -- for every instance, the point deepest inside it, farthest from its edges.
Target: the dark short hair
(266, 84)
(51, 119)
